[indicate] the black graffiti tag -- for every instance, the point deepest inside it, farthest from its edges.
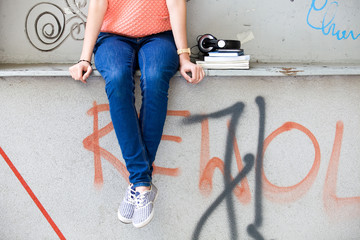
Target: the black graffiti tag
(235, 112)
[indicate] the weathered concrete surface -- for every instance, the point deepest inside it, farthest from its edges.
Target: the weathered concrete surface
(45, 128)
(278, 30)
(256, 70)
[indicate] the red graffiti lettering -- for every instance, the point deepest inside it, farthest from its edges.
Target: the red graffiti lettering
(291, 193)
(334, 205)
(207, 167)
(284, 194)
(92, 143)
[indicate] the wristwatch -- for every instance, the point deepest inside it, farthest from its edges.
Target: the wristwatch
(184, 50)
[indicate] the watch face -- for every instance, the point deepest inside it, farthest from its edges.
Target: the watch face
(221, 43)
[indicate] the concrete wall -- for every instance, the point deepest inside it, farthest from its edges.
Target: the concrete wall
(35, 31)
(57, 137)
(61, 170)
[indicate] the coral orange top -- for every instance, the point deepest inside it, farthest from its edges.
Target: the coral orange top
(136, 18)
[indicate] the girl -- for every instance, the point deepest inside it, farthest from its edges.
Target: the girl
(125, 35)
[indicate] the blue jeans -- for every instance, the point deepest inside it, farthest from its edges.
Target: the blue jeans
(117, 58)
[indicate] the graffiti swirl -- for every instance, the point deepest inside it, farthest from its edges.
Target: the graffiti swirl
(47, 25)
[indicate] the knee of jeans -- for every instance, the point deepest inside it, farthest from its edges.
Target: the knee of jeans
(119, 83)
(156, 82)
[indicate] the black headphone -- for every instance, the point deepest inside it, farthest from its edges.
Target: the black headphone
(208, 43)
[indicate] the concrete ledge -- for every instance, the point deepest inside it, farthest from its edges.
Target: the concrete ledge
(256, 69)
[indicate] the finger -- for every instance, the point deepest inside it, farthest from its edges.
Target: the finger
(87, 73)
(82, 76)
(191, 75)
(184, 74)
(79, 74)
(202, 74)
(194, 79)
(84, 71)
(196, 75)
(71, 70)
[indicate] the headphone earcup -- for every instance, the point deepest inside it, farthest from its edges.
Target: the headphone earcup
(202, 43)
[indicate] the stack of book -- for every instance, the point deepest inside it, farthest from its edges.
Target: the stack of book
(226, 59)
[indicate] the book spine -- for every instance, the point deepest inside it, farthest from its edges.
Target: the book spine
(226, 59)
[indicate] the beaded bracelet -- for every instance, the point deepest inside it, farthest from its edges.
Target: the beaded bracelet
(83, 60)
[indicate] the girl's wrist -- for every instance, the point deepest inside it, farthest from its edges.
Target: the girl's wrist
(184, 57)
(84, 60)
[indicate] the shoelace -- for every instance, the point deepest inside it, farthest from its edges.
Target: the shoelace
(141, 200)
(132, 196)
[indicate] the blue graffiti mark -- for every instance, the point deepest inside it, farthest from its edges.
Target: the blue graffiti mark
(329, 26)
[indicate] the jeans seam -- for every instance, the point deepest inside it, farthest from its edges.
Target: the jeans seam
(143, 76)
(133, 64)
(138, 127)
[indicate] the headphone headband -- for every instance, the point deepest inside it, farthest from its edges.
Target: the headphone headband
(208, 43)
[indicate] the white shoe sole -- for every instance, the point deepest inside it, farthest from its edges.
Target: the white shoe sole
(146, 222)
(124, 220)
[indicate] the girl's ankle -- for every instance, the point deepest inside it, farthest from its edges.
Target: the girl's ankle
(141, 189)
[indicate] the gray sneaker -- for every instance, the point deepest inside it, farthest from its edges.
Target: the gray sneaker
(144, 210)
(126, 208)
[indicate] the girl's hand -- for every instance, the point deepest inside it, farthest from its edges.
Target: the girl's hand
(186, 66)
(80, 71)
